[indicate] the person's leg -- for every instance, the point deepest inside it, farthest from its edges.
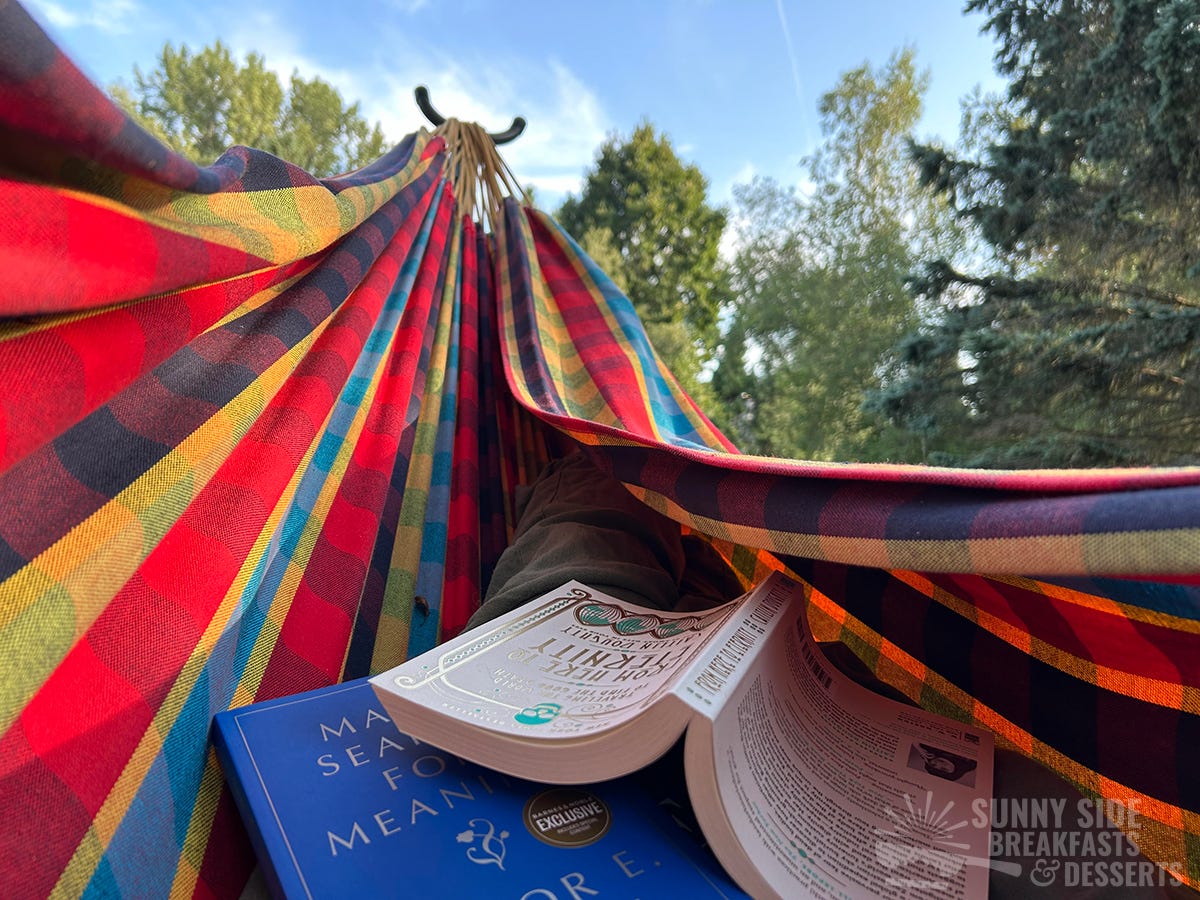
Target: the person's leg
(708, 580)
(578, 523)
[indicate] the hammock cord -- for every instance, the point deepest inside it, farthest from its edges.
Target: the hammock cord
(478, 175)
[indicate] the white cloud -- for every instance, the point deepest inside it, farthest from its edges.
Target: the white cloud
(735, 225)
(745, 174)
(554, 184)
(111, 16)
(564, 129)
(723, 193)
(261, 32)
(730, 240)
(565, 121)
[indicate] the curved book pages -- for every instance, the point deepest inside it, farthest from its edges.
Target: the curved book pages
(805, 783)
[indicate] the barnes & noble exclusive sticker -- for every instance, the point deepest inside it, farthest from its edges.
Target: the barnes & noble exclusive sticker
(567, 817)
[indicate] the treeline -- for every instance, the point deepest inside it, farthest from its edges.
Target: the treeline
(1027, 296)
(202, 103)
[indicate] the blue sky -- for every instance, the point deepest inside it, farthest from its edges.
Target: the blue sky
(734, 84)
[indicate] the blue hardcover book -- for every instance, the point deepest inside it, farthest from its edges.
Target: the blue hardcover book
(341, 804)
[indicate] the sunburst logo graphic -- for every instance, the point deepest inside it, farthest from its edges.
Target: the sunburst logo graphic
(923, 841)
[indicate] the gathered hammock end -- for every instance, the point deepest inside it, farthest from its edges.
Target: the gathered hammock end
(478, 175)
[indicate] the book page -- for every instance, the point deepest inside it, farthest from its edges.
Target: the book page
(718, 668)
(572, 663)
(836, 792)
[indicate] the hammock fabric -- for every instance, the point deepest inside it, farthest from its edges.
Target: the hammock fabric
(259, 433)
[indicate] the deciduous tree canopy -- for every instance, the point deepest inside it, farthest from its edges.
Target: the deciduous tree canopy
(820, 276)
(202, 103)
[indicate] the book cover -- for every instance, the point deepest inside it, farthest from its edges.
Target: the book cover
(341, 804)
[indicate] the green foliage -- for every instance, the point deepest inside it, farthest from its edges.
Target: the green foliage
(821, 277)
(652, 208)
(671, 339)
(202, 103)
(1075, 346)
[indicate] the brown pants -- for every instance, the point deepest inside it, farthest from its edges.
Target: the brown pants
(575, 522)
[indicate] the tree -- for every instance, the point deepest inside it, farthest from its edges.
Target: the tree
(1076, 345)
(821, 276)
(202, 103)
(645, 210)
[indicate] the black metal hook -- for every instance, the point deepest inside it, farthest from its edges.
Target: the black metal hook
(510, 134)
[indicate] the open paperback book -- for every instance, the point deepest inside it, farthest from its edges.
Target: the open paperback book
(805, 783)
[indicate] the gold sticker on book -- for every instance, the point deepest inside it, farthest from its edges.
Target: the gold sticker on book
(567, 817)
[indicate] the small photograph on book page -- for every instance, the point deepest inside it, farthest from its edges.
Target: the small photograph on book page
(942, 763)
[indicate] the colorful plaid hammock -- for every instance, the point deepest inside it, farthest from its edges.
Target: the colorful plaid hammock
(259, 433)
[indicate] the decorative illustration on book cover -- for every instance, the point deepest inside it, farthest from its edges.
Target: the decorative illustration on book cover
(607, 665)
(339, 803)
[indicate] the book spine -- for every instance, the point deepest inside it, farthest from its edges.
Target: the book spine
(238, 767)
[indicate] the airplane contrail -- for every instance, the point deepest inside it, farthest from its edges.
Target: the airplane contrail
(791, 52)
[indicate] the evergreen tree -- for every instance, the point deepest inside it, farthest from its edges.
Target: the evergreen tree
(1079, 349)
